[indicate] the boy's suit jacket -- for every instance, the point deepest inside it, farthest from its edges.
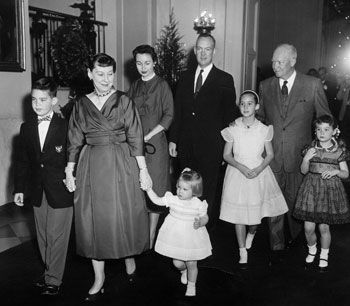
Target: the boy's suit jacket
(293, 129)
(37, 171)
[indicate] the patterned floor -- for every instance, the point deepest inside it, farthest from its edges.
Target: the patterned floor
(16, 225)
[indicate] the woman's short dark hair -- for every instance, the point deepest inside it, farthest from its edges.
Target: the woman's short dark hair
(145, 49)
(102, 60)
(46, 84)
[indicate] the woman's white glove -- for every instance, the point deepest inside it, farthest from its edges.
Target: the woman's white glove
(145, 179)
(69, 181)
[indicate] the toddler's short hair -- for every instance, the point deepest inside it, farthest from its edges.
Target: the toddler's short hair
(194, 179)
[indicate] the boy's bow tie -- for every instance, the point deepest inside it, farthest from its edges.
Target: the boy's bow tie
(46, 118)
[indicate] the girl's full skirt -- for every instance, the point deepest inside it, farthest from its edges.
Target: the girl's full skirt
(247, 201)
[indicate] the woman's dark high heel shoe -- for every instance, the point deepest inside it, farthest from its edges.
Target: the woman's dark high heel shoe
(95, 296)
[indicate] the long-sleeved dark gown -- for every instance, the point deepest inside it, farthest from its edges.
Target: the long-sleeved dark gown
(154, 102)
(111, 220)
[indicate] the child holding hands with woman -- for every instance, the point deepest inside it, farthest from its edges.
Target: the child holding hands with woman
(183, 235)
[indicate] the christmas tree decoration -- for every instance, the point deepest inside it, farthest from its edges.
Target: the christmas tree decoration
(171, 53)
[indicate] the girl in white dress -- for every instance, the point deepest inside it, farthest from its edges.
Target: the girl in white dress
(183, 235)
(250, 190)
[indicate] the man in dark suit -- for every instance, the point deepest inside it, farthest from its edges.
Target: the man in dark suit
(289, 101)
(204, 104)
(40, 165)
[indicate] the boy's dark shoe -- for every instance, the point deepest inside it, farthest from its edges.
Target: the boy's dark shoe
(50, 290)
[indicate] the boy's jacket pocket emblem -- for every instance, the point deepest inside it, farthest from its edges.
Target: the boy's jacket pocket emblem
(59, 149)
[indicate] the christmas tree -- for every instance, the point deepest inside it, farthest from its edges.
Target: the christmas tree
(171, 54)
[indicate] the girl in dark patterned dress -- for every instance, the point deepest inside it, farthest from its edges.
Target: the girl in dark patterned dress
(321, 198)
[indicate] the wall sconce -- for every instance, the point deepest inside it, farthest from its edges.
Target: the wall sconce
(205, 23)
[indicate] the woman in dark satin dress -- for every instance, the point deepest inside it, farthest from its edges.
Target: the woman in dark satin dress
(154, 102)
(105, 140)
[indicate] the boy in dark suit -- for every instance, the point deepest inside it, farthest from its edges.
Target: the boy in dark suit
(40, 163)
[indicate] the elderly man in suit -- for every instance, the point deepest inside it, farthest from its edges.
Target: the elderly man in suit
(289, 101)
(204, 104)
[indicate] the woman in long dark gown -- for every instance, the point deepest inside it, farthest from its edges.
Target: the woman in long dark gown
(154, 102)
(106, 141)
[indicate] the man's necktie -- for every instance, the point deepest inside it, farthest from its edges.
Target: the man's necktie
(284, 90)
(46, 118)
(199, 82)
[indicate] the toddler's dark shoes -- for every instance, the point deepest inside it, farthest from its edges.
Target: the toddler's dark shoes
(50, 290)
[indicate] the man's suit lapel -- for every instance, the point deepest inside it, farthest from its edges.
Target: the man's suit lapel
(210, 78)
(208, 82)
(277, 96)
(294, 94)
(34, 134)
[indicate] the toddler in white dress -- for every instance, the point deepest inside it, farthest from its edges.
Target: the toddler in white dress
(183, 235)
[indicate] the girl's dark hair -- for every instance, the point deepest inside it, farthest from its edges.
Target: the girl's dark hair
(145, 49)
(102, 60)
(333, 123)
(326, 119)
(251, 92)
(46, 84)
(194, 179)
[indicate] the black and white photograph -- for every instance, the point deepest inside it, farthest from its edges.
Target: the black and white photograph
(175, 152)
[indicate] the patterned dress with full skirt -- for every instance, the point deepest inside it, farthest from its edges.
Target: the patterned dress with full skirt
(323, 200)
(111, 220)
(247, 201)
(177, 237)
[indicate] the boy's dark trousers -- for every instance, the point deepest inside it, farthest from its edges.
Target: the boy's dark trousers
(53, 226)
(41, 173)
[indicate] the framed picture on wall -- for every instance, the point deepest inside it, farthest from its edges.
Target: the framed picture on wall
(12, 38)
